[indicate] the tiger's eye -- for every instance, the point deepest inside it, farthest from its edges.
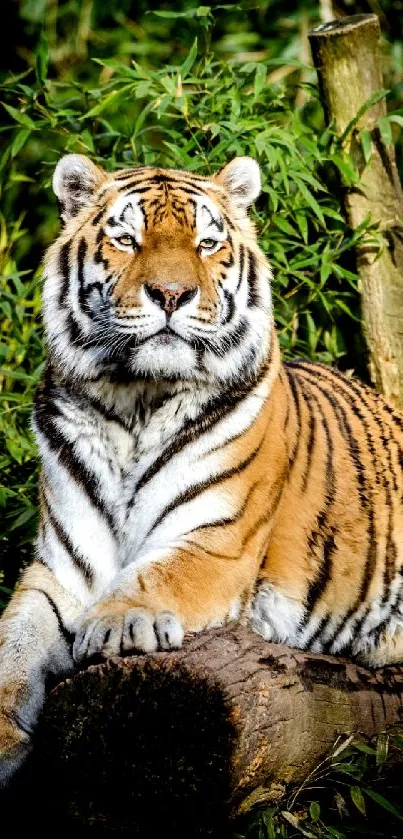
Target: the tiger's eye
(208, 244)
(126, 240)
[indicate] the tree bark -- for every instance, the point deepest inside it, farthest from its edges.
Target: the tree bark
(183, 742)
(346, 56)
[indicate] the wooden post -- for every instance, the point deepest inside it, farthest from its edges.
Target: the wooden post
(346, 56)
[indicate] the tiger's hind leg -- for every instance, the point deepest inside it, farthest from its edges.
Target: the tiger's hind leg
(382, 647)
(34, 642)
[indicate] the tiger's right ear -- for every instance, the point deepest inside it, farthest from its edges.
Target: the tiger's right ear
(75, 180)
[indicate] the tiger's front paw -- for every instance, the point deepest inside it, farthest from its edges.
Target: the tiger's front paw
(138, 630)
(15, 745)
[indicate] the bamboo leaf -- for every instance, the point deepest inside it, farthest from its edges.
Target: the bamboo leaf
(366, 144)
(358, 799)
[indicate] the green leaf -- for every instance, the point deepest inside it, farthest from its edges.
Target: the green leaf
(314, 811)
(284, 225)
(382, 748)
(190, 60)
(260, 80)
(363, 747)
(19, 141)
(42, 60)
(372, 100)
(19, 116)
(385, 131)
(358, 799)
(366, 144)
(112, 98)
(23, 518)
(309, 198)
(346, 169)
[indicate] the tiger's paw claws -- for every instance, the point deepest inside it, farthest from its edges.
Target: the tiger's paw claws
(138, 630)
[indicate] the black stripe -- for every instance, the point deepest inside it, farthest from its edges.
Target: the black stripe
(76, 334)
(212, 414)
(238, 435)
(76, 557)
(324, 622)
(81, 254)
(395, 417)
(176, 177)
(364, 490)
(390, 553)
(294, 388)
(390, 558)
(343, 425)
(197, 489)
(230, 307)
(107, 413)
(253, 293)
(46, 415)
(225, 522)
(124, 174)
(310, 445)
(350, 386)
(228, 221)
(229, 520)
(277, 489)
(64, 268)
(323, 532)
(199, 547)
(156, 183)
(231, 339)
(139, 190)
(241, 266)
(66, 634)
(98, 216)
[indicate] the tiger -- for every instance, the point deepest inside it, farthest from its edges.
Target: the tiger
(190, 477)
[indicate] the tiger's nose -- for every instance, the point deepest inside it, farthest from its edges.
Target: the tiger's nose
(170, 296)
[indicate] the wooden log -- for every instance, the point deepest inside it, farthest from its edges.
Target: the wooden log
(347, 58)
(191, 739)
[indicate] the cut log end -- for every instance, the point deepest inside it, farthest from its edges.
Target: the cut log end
(193, 738)
(343, 25)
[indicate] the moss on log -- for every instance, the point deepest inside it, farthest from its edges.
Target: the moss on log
(347, 58)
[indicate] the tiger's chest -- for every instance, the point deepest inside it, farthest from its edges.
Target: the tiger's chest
(155, 465)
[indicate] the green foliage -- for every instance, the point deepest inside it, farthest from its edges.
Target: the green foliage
(353, 792)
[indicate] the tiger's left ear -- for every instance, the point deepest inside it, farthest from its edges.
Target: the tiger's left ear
(75, 181)
(241, 179)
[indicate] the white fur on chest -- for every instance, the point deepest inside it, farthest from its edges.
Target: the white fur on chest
(156, 479)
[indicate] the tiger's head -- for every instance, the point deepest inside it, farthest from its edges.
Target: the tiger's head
(157, 273)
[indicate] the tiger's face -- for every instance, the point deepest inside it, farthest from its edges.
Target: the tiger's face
(157, 273)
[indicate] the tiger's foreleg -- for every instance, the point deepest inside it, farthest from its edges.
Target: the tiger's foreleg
(35, 641)
(157, 599)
